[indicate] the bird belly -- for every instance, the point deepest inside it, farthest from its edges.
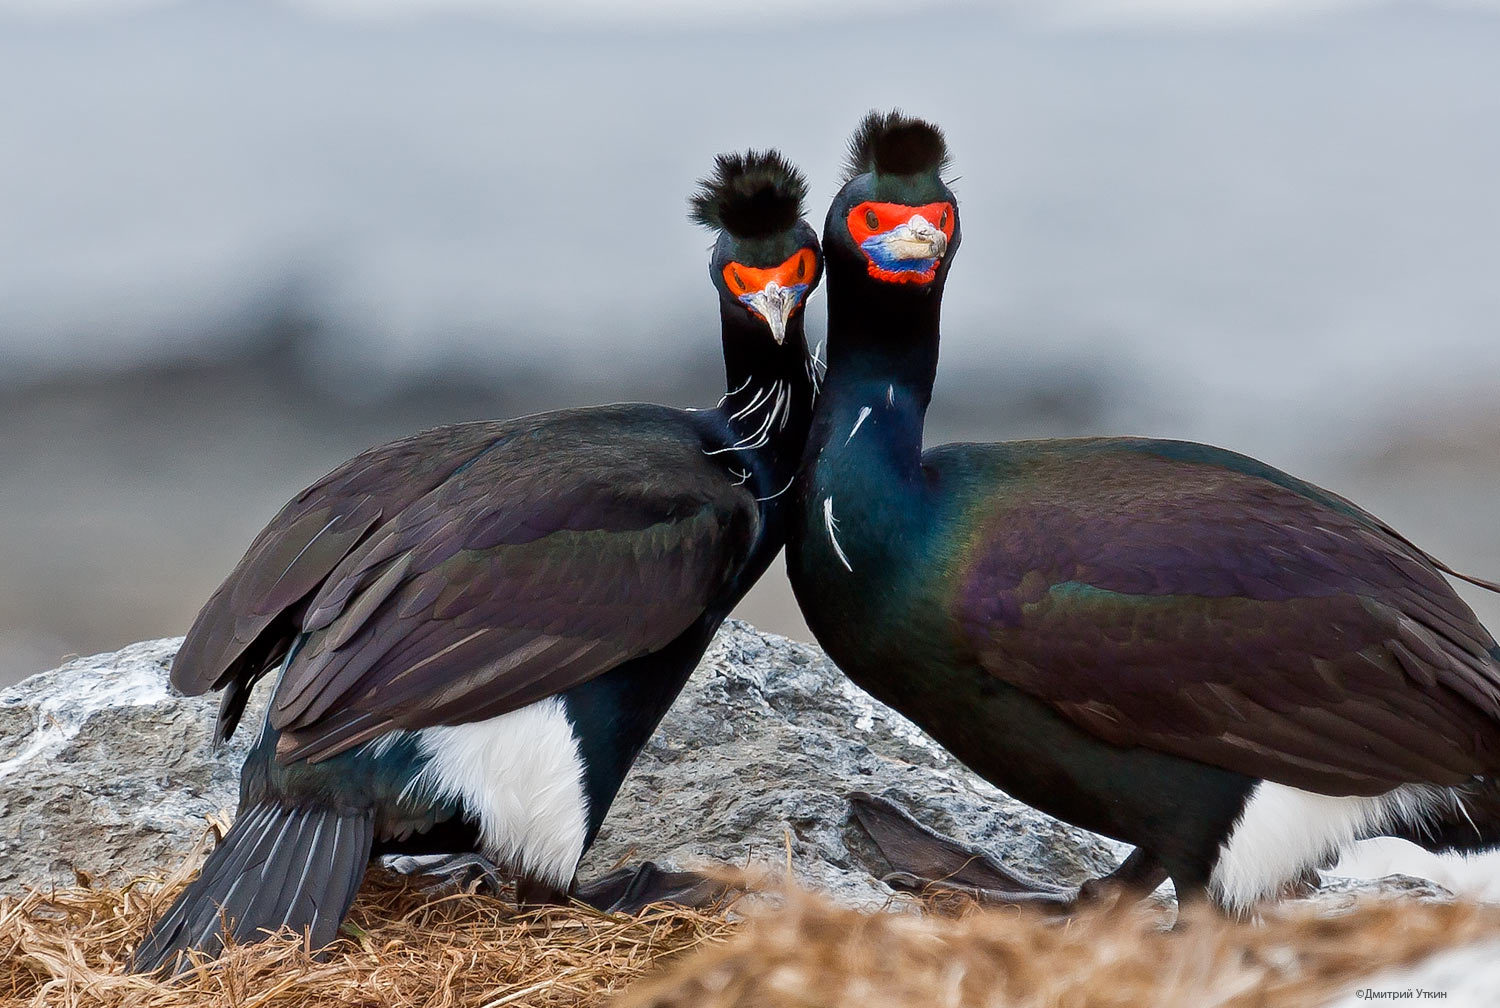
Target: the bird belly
(520, 777)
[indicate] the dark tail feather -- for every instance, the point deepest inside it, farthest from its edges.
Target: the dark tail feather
(231, 709)
(277, 867)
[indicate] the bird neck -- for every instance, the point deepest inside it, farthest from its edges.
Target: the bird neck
(769, 403)
(864, 496)
(882, 360)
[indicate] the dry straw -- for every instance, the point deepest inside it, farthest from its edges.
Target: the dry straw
(406, 947)
(816, 955)
(402, 946)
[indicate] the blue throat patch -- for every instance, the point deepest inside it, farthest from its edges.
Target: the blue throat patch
(874, 247)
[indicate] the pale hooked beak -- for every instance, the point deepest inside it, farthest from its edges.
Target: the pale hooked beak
(918, 238)
(775, 304)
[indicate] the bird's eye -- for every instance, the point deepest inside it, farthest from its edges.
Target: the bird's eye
(871, 221)
(944, 221)
(737, 281)
(801, 267)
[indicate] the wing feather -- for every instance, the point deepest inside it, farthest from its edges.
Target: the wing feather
(249, 623)
(541, 565)
(1198, 603)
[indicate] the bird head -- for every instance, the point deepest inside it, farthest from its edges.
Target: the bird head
(895, 217)
(767, 259)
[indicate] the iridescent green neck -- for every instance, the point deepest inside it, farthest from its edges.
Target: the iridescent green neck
(882, 333)
(882, 359)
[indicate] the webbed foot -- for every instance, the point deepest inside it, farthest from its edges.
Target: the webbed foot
(630, 890)
(924, 861)
(466, 872)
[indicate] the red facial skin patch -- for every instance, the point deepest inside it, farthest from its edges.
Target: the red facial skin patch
(868, 220)
(801, 268)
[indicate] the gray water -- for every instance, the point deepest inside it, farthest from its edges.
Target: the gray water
(239, 242)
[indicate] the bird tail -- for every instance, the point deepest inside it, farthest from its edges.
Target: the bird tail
(279, 866)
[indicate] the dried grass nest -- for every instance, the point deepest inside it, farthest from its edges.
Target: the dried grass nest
(405, 947)
(401, 946)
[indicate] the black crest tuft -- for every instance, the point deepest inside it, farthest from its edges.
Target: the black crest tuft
(750, 195)
(894, 143)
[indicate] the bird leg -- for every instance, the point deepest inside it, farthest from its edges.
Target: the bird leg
(533, 893)
(464, 872)
(1136, 878)
(924, 860)
(631, 890)
(624, 890)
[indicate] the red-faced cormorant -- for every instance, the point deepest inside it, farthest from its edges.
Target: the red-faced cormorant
(1171, 644)
(475, 630)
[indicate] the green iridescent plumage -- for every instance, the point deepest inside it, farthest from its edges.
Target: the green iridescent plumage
(1132, 634)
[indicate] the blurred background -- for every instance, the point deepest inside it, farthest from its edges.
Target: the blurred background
(241, 241)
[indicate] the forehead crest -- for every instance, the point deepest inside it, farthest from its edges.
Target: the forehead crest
(756, 194)
(896, 144)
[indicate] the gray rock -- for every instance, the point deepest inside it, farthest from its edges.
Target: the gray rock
(767, 742)
(104, 770)
(1338, 892)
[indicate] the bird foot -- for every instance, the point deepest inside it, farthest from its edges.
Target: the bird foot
(1063, 904)
(452, 873)
(921, 857)
(927, 862)
(631, 890)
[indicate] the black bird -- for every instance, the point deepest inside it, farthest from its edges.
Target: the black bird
(1171, 644)
(476, 629)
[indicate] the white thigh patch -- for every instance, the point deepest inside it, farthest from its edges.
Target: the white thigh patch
(1282, 831)
(520, 775)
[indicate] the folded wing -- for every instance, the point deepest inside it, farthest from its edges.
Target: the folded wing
(1199, 603)
(248, 624)
(549, 560)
